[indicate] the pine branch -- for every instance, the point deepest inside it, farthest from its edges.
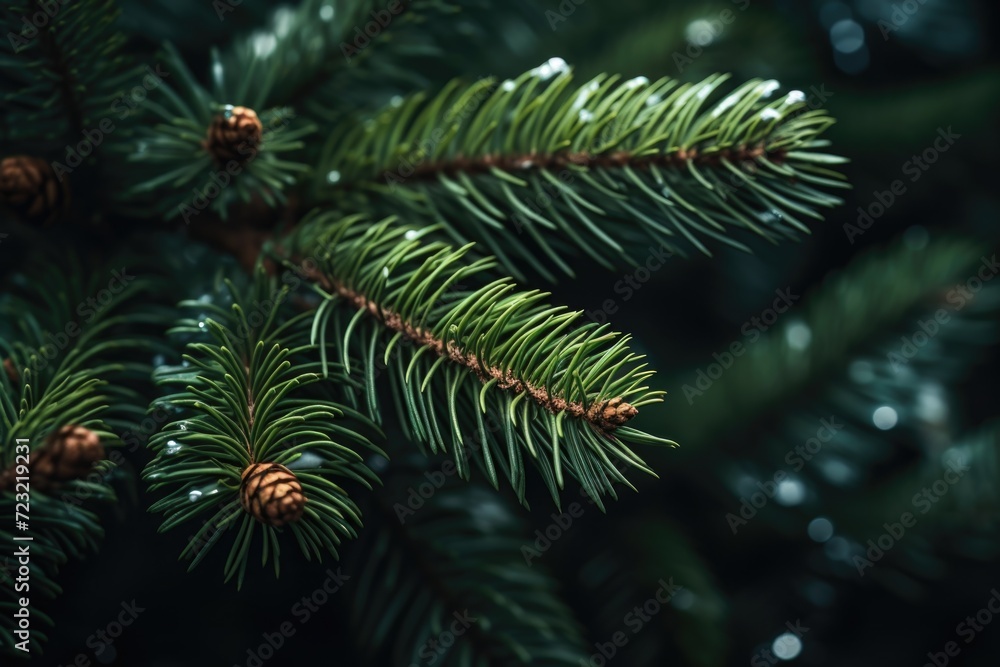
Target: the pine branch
(65, 366)
(456, 562)
(344, 55)
(296, 54)
(856, 308)
(563, 391)
(175, 173)
(67, 72)
(598, 168)
(249, 442)
(647, 556)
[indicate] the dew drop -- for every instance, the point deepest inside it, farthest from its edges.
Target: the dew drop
(790, 492)
(794, 97)
(700, 32)
(847, 35)
(683, 600)
(885, 418)
(820, 529)
(767, 88)
(283, 19)
(787, 646)
(306, 460)
(861, 371)
(264, 44)
(798, 335)
(724, 104)
(550, 68)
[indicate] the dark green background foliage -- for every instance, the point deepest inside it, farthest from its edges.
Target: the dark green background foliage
(819, 385)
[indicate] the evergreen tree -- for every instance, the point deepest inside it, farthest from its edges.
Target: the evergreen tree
(290, 290)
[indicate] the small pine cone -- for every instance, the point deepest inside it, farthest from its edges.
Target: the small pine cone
(69, 454)
(11, 370)
(272, 494)
(234, 135)
(7, 478)
(609, 415)
(30, 188)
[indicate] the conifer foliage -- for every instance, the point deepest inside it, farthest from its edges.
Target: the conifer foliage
(391, 309)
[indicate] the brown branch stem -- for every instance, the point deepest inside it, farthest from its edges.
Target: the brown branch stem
(618, 159)
(605, 416)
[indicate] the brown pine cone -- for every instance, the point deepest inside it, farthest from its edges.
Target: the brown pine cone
(11, 370)
(30, 188)
(272, 494)
(609, 415)
(69, 454)
(234, 135)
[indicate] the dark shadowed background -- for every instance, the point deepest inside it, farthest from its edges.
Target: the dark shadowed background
(782, 513)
